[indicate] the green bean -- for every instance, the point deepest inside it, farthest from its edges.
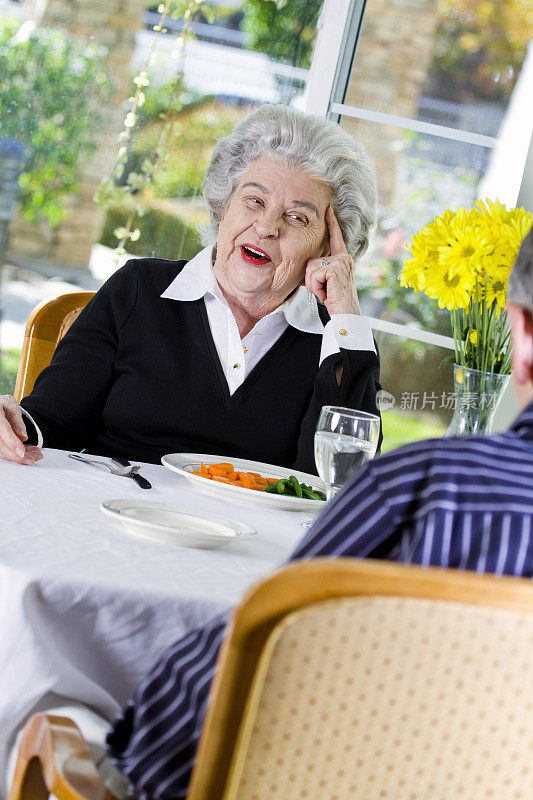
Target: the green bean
(310, 494)
(296, 486)
(291, 487)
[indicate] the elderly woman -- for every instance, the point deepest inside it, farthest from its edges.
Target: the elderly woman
(227, 354)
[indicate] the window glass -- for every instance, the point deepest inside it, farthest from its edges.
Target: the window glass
(242, 54)
(418, 399)
(453, 63)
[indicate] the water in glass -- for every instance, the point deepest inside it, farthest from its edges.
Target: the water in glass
(345, 440)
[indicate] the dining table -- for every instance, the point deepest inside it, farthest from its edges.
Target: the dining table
(89, 604)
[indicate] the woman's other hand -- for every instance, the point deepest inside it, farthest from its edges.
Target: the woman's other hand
(13, 434)
(332, 278)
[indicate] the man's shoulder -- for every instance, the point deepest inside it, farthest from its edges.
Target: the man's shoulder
(446, 452)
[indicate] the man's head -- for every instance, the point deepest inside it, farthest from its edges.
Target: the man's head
(520, 310)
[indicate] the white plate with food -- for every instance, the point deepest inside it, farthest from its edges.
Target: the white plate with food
(186, 464)
(177, 525)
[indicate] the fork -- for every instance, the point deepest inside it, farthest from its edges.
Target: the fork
(126, 472)
(139, 479)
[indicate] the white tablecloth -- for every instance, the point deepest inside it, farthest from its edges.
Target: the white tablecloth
(86, 607)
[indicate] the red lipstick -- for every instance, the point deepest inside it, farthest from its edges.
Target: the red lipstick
(254, 255)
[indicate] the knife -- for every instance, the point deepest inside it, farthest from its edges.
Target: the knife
(140, 480)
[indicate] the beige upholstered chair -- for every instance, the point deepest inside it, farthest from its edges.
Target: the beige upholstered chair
(46, 326)
(352, 679)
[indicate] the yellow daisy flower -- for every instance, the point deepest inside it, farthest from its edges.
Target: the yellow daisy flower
(420, 248)
(439, 229)
(496, 290)
(518, 227)
(500, 260)
(464, 250)
(452, 288)
(493, 211)
(413, 275)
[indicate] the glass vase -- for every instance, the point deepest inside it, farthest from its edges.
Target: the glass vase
(477, 395)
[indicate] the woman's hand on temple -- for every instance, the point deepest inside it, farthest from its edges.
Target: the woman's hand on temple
(332, 278)
(13, 434)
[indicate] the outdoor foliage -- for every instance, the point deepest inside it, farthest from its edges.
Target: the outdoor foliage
(164, 235)
(50, 83)
(197, 127)
(399, 428)
(479, 49)
(9, 361)
(283, 29)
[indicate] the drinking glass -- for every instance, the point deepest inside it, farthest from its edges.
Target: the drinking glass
(345, 439)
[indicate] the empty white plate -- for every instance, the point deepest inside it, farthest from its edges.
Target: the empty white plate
(176, 524)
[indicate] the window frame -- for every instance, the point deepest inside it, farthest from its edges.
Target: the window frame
(338, 31)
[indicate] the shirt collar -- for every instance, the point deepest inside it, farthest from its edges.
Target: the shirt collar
(523, 424)
(196, 279)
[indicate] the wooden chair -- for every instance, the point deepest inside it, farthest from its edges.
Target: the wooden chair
(46, 326)
(350, 679)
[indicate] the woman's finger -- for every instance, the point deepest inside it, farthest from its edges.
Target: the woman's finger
(316, 283)
(13, 414)
(27, 457)
(331, 280)
(336, 239)
(329, 268)
(12, 430)
(34, 453)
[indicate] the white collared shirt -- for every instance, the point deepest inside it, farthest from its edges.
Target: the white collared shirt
(239, 356)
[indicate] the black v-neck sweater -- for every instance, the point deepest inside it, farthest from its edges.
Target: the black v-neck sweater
(139, 376)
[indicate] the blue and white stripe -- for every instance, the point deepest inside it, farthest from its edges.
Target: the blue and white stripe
(464, 503)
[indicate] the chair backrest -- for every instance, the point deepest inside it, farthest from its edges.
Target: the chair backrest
(349, 680)
(346, 679)
(46, 326)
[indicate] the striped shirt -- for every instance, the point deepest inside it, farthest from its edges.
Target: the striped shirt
(463, 503)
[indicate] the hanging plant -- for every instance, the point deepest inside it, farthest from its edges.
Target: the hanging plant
(131, 193)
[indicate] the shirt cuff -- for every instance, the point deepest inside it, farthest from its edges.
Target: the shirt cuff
(33, 430)
(349, 331)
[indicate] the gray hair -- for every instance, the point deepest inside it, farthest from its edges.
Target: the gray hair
(313, 144)
(520, 284)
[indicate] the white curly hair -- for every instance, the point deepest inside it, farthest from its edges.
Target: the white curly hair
(313, 144)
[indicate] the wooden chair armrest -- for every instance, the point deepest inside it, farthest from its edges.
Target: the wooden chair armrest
(54, 758)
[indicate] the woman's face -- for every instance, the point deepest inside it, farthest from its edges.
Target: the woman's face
(273, 224)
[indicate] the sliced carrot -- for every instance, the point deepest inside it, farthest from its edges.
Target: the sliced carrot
(224, 472)
(246, 480)
(220, 469)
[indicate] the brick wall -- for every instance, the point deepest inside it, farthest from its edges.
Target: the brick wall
(393, 55)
